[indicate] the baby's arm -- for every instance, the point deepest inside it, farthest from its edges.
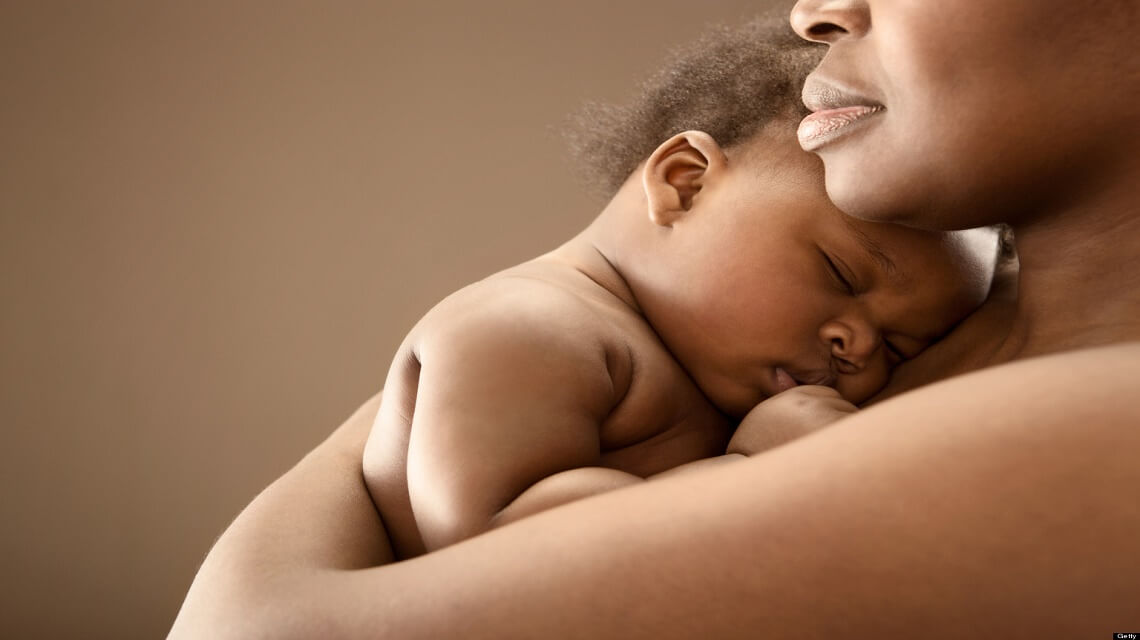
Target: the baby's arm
(507, 415)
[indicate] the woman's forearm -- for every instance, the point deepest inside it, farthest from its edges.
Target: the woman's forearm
(1011, 515)
(317, 517)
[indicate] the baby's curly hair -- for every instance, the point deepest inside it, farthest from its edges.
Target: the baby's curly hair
(729, 83)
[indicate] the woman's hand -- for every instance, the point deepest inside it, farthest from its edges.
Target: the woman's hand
(787, 416)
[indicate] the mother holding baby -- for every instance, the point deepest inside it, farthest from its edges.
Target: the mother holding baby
(998, 502)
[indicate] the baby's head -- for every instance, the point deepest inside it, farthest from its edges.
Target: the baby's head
(746, 270)
(756, 282)
(729, 82)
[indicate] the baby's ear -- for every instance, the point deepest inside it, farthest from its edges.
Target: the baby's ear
(676, 172)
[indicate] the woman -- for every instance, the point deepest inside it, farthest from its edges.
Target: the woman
(995, 504)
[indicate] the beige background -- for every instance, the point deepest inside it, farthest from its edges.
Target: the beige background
(217, 221)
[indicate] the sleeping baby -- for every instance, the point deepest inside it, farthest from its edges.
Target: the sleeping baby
(719, 291)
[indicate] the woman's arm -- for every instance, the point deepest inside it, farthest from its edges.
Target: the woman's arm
(316, 518)
(999, 504)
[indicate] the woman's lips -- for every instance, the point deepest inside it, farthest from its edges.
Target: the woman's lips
(826, 125)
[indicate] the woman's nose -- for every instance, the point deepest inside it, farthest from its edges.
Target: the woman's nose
(830, 21)
(852, 343)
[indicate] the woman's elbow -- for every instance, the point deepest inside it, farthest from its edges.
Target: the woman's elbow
(233, 605)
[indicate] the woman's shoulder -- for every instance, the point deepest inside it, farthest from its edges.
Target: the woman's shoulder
(1079, 373)
(1078, 392)
(1099, 362)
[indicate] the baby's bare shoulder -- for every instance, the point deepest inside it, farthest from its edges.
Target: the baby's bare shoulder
(521, 305)
(521, 315)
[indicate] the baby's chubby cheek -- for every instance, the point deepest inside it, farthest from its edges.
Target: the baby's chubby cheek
(858, 388)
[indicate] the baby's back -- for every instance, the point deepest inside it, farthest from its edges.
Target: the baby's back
(535, 382)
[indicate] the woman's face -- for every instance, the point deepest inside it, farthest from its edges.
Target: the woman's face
(962, 113)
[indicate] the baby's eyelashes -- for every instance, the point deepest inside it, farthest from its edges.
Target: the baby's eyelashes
(844, 366)
(895, 355)
(902, 348)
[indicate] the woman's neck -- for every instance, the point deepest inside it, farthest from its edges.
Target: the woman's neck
(1078, 286)
(1079, 283)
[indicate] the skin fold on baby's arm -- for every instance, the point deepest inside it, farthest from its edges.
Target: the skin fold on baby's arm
(501, 400)
(508, 409)
(507, 418)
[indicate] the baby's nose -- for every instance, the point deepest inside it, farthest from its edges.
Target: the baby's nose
(852, 343)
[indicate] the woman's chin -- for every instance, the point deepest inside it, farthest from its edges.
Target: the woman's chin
(896, 202)
(859, 197)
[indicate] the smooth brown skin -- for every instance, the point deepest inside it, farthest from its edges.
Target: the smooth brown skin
(996, 504)
(636, 347)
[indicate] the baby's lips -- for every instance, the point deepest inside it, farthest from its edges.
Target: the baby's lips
(784, 380)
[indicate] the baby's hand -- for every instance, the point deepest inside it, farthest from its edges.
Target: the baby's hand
(787, 416)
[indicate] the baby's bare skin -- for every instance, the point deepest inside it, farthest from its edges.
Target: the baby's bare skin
(712, 282)
(559, 376)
